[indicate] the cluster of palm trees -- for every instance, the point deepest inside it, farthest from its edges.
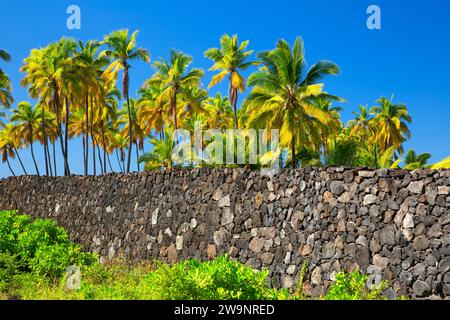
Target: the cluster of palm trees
(75, 85)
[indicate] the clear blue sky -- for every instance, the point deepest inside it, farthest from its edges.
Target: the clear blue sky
(408, 57)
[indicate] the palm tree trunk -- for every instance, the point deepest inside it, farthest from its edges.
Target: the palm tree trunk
(293, 151)
(20, 160)
(86, 139)
(104, 148)
(9, 166)
(32, 150)
(93, 141)
(48, 157)
(126, 83)
(58, 121)
(174, 114)
(99, 156)
(94, 165)
(122, 157)
(118, 161)
(84, 149)
(61, 141)
(109, 162)
(44, 139)
(137, 157)
(66, 137)
(54, 158)
(232, 94)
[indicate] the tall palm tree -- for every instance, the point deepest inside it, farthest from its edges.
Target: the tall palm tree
(230, 59)
(122, 48)
(282, 98)
(391, 124)
(89, 68)
(176, 79)
(28, 120)
(47, 72)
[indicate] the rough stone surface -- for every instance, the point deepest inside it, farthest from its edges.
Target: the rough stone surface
(421, 288)
(392, 222)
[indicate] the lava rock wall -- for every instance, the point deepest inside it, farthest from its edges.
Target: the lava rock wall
(391, 224)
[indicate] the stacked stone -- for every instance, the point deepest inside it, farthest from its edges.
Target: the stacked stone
(390, 224)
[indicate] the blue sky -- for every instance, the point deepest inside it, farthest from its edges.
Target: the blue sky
(408, 57)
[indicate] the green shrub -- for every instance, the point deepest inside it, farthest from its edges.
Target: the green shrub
(220, 279)
(353, 287)
(39, 246)
(8, 268)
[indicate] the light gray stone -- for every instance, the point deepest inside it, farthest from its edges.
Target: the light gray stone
(369, 199)
(416, 187)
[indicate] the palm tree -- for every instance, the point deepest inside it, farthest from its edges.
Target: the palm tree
(342, 152)
(176, 79)
(123, 48)
(281, 98)
(220, 112)
(153, 110)
(89, 68)
(230, 59)
(48, 72)
(391, 122)
(6, 150)
(192, 101)
(362, 126)
(28, 119)
(415, 161)
(5, 91)
(4, 55)
(5, 84)
(161, 157)
(8, 141)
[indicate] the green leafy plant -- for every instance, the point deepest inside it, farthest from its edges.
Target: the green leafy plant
(298, 294)
(220, 279)
(352, 286)
(39, 246)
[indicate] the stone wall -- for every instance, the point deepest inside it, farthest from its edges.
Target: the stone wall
(392, 224)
